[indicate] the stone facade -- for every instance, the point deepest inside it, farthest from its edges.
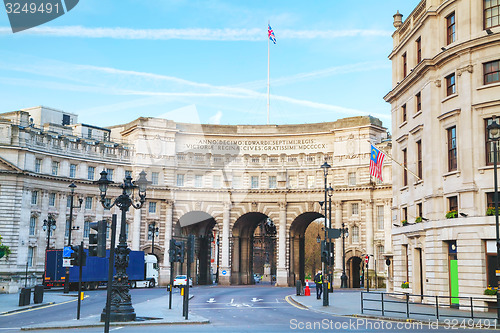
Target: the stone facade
(441, 100)
(217, 182)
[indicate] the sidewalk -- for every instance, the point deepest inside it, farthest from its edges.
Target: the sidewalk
(347, 302)
(151, 312)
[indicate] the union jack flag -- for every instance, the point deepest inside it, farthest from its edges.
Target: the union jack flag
(376, 161)
(270, 33)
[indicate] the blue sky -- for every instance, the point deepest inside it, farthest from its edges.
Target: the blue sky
(112, 61)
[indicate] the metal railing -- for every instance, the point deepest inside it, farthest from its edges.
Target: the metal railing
(437, 306)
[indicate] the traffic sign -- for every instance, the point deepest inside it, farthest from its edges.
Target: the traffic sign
(67, 250)
(367, 258)
(224, 272)
(67, 262)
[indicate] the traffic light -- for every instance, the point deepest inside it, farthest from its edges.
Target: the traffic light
(97, 242)
(327, 252)
(324, 252)
(176, 251)
(78, 256)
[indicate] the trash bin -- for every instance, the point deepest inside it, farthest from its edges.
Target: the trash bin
(298, 286)
(38, 294)
(25, 296)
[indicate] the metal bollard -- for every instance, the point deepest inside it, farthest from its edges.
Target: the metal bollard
(298, 286)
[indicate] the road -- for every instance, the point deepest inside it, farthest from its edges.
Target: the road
(252, 309)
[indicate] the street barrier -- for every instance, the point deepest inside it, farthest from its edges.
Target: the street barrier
(25, 296)
(38, 294)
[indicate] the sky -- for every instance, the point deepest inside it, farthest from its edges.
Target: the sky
(112, 61)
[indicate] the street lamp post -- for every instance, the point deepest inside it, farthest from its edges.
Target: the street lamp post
(218, 255)
(72, 187)
(329, 240)
(494, 135)
(343, 278)
(121, 308)
(48, 225)
(325, 168)
(153, 231)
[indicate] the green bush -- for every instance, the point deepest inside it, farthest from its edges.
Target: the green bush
(490, 211)
(418, 219)
(451, 214)
(4, 249)
(405, 285)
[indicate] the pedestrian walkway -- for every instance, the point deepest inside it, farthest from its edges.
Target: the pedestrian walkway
(152, 312)
(347, 302)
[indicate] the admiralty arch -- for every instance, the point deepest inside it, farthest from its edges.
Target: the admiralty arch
(222, 183)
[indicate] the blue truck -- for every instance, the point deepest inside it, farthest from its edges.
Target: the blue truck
(142, 271)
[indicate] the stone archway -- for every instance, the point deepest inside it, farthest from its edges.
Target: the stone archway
(243, 247)
(298, 244)
(201, 225)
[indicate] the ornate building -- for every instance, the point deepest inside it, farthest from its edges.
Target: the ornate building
(445, 88)
(216, 182)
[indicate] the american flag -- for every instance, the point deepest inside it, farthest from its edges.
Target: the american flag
(270, 33)
(376, 161)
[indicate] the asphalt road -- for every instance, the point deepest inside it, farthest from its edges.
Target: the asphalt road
(230, 309)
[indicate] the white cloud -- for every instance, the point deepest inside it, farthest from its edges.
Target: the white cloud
(253, 34)
(215, 119)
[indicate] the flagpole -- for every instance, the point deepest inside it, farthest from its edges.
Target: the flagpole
(268, 62)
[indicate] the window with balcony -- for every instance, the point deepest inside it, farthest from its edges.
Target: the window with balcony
(450, 29)
(452, 148)
(491, 13)
(491, 72)
(451, 87)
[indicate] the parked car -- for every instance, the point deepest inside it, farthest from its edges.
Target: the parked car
(256, 278)
(180, 280)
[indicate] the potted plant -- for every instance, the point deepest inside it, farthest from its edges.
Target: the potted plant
(405, 285)
(404, 222)
(4, 249)
(490, 290)
(418, 219)
(490, 211)
(452, 214)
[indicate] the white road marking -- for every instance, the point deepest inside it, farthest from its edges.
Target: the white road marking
(256, 299)
(211, 300)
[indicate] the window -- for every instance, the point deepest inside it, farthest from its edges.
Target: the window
(355, 234)
(491, 13)
(154, 178)
(380, 258)
(420, 212)
(66, 119)
(216, 181)
(110, 174)
(66, 231)
(403, 58)
(198, 180)
(405, 214)
(254, 182)
(34, 197)
(380, 217)
(55, 168)
(38, 165)
(31, 252)
(419, 159)
(310, 181)
(450, 85)
(452, 149)
(89, 133)
(180, 180)
(152, 207)
(90, 174)
(405, 163)
(52, 199)
(128, 173)
(236, 182)
(272, 182)
(72, 170)
(491, 72)
(418, 100)
(403, 113)
(292, 182)
(490, 200)
(418, 43)
(450, 29)
(32, 225)
(352, 178)
(453, 203)
(88, 203)
(86, 229)
(355, 209)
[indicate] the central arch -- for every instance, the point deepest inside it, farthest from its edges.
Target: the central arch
(298, 244)
(242, 268)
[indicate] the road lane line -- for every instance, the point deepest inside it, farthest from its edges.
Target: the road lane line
(295, 304)
(40, 307)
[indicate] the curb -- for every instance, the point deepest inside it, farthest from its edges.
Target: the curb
(27, 308)
(99, 324)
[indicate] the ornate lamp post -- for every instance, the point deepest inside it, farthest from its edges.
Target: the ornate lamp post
(121, 301)
(153, 231)
(325, 168)
(49, 225)
(494, 135)
(329, 241)
(72, 187)
(343, 278)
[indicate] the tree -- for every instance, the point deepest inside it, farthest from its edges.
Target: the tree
(312, 248)
(4, 249)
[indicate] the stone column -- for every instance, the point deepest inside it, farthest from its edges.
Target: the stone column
(337, 206)
(165, 267)
(282, 271)
(225, 269)
(369, 229)
(136, 230)
(387, 227)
